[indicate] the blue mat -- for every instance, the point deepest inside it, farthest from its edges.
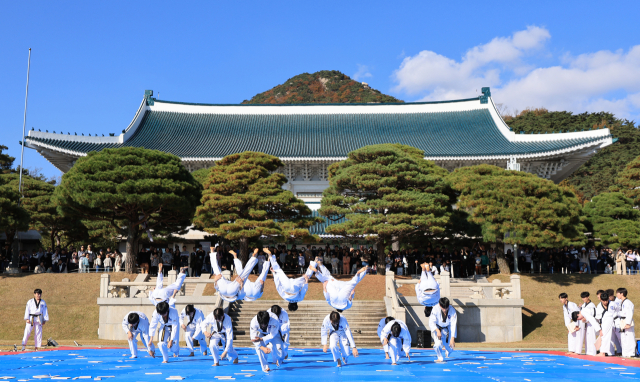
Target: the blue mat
(305, 365)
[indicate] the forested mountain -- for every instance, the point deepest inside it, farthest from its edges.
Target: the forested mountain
(325, 86)
(599, 173)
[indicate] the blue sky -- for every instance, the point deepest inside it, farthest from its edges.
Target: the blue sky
(92, 61)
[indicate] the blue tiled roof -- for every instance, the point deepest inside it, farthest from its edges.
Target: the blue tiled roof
(459, 133)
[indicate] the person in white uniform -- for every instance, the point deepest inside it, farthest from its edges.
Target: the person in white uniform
(609, 310)
(291, 290)
(228, 290)
(136, 324)
(36, 315)
(443, 324)
(160, 293)
(264, 330)
(253, 290)
(165, 321)
(427, 290)
(336, 328)
(381, 325)
(616, 348)
(588, 318)
(574, 337)
(190, 319)
(285, 327)
(218, 327)
(627, 326)
(396, 335)
(339, 294)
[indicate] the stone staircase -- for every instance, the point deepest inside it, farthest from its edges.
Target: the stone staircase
(363, 318)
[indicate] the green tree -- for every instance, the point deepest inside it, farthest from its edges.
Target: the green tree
(6, 161)
(243, 199)
(628, 181)
(201, 175)
(133, 190)
(387, 193)
(518, 208)
(13, 216)
(614, 220)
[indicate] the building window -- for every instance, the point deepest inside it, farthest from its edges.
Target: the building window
(309, 194)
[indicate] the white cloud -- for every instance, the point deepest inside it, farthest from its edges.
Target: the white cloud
(362, 73)
(602, 80)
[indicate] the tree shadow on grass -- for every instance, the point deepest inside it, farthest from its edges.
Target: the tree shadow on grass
(564, 280)
(532, 321)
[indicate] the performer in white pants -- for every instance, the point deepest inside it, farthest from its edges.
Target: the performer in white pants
(337, 329)
(381, 325)
(609, 312)
(396, 335)
(253, 290)
(264, 330)
(218, 327)
(136, 324)
(231, 291)
(574, 337)
(166, 321)
(443, 323)
(160, 293)
(285, 327)
(590, 331)
(35, 316)
(190, 319)
(627, 326)
(616, 348)
(339, 294)
(291, 290)
(427, 290)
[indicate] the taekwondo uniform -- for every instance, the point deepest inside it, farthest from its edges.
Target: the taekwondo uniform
(574, 339)
(340, 338)
(339, 294)
(252, 290)
(607, 325)
(220, 331)
(592, 327)
(37, 314)
(381, 326)
(291, 290)
(270, 336)
(168, 331)
(165, 294)
(230, 291)
(447, 323)
(191, 332)
(396, 344)
(140, 329)
(428, 282)
(627, 336)
(285, 328)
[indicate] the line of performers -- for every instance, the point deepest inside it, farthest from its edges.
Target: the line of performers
(606, 329)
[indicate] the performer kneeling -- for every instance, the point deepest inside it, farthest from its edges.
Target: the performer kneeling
(381, 325)
(137, 324)
(217, 327)
(443, 328)
(264, 330)
(340, 337)
(285, 327)
(168, 320)
(35, 315)
(190, 319)
(396, 335)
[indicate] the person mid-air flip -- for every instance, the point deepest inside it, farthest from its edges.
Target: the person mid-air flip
(339, 294)
(291, 290)
(427, 290)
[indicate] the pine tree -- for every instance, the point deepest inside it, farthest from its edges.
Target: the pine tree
(628, 181)
(518, 208)
(133, 190)
(243, 199)
(387, 193)
(614, 220)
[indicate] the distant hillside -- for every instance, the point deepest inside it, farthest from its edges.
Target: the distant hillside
(600, 171)
(325, 86)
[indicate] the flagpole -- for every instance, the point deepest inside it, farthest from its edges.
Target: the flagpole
(24, 124)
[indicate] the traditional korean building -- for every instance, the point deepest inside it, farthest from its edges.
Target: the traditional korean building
(308, 138)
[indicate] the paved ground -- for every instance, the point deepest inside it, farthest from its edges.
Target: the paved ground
(313, 365)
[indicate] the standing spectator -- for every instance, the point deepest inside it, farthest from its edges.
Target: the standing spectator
(155, 260)
(167, 258)
(193, 263)
(184, 258)
(63, 261)
(283, 257)
(301, 263)
(346, 263)
(621, 262)
(261, 260)
(91, 256)
(593, 259)
(202, 264)
(118, 261)
(107, 263)
(74, 262)
(143, 259)
(584, 259)
(84, 264)
(484, 261)
(97, 262)
(631, 262)
(81, 252)
(334, 264)
(54, 262)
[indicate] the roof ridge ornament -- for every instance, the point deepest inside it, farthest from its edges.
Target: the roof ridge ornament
(148, 97)
(486, 93)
